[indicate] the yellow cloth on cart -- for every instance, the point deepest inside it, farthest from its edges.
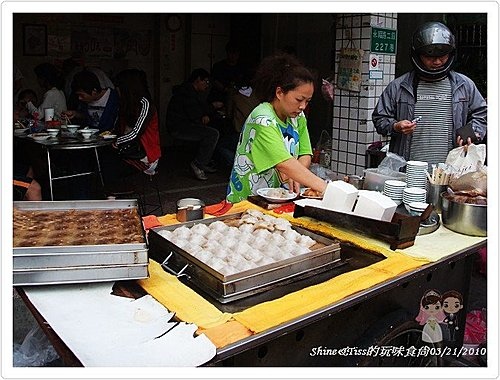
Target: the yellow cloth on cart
(191, 307)
(188, 305)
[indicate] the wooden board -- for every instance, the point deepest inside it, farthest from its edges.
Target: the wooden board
(264, 203)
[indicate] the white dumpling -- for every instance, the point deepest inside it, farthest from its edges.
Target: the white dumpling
(244, 265)
(241, 248)
(229, 242)
(203, 255)
(245, 227)
(254, 213)
(233, 260)
(212, 245)
(248, 219)
(263, 233)
(197, 239)
(265, 260)
(218, 226)
(299, 250)
(291, 235)
(246, 237)
(252, 255)
(182, 232)
(200, 229)
(289, 247)
(306, 241)
(268, 218)
(278, 239)
(217, 263)
(166, 234)
(182, 243)
(259, 243)
(214, 235)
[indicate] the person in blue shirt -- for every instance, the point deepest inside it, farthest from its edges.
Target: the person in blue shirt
(98, 107)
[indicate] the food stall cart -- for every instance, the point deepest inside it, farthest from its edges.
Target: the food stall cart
(336, 317)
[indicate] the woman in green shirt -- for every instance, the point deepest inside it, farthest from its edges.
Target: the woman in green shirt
(274, 146)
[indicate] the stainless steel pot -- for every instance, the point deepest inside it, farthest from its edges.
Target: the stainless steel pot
(464, 218)
(190, 209)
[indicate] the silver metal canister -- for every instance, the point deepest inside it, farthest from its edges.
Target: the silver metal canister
(189, 209)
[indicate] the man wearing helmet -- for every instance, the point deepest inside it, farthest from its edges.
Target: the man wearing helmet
(441, 98)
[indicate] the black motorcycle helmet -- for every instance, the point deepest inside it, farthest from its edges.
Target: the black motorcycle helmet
(432, 39)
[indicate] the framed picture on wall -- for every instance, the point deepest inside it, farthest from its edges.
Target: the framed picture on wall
(34, 39)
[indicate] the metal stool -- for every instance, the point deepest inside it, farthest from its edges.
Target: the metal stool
(145, 207)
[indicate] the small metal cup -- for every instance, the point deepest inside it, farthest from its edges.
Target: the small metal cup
(189, 209)
(434, 195)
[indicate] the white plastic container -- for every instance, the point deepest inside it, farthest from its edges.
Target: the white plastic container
(374, 205)
(340, 196)
(375, 181)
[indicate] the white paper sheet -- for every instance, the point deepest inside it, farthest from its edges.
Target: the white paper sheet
(106, 330)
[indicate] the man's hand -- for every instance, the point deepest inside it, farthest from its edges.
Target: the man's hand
(205, 120)
(68, 114)
(406, 127)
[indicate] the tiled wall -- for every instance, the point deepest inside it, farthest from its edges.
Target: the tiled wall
(352, 130)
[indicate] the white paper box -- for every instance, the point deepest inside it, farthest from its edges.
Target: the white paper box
(374, 205)
(340, 196)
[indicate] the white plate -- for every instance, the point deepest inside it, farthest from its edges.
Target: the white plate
(20, 131)
(269, 193)
(39, 136)
(309, 196)
(108, 137)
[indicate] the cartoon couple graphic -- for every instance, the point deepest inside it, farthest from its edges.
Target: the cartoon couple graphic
(438, 315)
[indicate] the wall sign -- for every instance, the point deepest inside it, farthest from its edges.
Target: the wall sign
(383, 40)
(34, 39)
(349, 72)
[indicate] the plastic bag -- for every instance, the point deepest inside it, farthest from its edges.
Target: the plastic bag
(323, 172)
(391, 164)
(327, 90)
(464, 161)
(35, 351)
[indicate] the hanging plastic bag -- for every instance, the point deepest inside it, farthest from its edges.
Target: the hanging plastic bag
(465, 161)
(327, 89)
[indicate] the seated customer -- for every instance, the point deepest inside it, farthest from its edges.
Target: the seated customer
(26, 188)
(49, 79)
(98, 107)
(188, 119)
(20, 110)
(138, 144)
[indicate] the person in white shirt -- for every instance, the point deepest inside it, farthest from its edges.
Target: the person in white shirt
(51, 82)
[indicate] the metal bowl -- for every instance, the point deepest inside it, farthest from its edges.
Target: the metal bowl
(189, 209)
(464, 218)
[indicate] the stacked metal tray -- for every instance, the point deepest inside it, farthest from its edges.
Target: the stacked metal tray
(41, 265)
(228, 288)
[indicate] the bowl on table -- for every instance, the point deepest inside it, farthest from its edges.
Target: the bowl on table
(87, 132)
(20, 131)
(72, 128)
(53, 132)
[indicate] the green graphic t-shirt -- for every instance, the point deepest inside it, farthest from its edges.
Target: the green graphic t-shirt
(265, 141)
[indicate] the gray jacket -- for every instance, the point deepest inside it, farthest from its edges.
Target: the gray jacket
(397, 102)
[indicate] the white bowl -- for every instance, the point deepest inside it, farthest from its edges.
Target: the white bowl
(86, 134)
(91, 130)
(418, 205)
(72, 127)
(52, 132)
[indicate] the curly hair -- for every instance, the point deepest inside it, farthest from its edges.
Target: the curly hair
(281, 70)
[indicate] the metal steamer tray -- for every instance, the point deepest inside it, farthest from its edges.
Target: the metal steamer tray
(42, 265)
(228, 288)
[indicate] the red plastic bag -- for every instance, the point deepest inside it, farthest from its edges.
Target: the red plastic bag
(475, 327)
